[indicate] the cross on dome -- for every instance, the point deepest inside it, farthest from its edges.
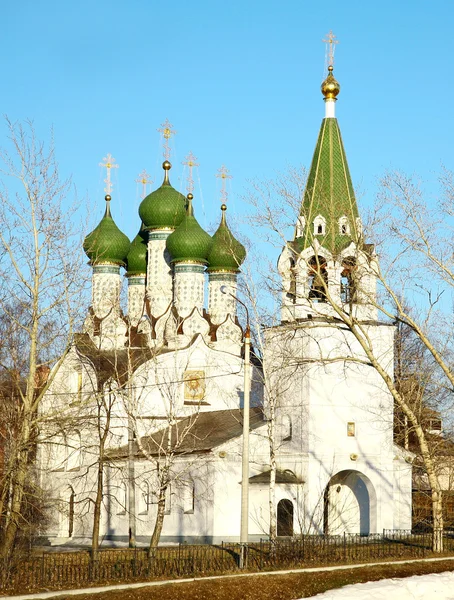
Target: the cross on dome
(330, 42)
(223, 174)
(190, 162)
(108, 163)
(166, 132)
(144, 179)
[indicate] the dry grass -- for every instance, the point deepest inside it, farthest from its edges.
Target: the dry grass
(271, 587)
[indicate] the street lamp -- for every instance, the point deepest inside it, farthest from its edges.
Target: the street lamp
(245, 458)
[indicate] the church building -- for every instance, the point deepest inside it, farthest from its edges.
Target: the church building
(146, 411)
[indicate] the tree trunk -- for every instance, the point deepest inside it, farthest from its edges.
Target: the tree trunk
(156, 535)
(437, 513)
(97, 510)
(272, 488)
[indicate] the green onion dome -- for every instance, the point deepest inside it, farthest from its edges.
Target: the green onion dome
(136, 260)
(165, 207)
(189, 242)
(106, 243)
(226, 253)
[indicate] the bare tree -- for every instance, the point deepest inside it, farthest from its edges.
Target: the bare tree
(41, 288)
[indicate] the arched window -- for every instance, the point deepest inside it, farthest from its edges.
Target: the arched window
(58, 453)
(319, 225)
(286, 428)
(292, 287)
(348, 283)
(344, 226)
(144, 498)
(72, 497)
(318, 278)
(73, 449)
(122, 498)
(189, 497)
(168, 500)
(285, 518)
(301, 222)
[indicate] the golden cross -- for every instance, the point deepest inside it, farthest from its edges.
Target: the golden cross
(223, 174)
(330, 41)
(166, 131)
(144, 179)
(108, 163)
(190, 163)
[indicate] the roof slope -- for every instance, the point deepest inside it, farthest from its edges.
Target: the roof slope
(200, 432)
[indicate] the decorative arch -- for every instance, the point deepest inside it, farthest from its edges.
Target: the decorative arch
(350, 504)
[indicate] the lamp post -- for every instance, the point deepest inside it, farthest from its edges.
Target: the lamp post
(245, 455)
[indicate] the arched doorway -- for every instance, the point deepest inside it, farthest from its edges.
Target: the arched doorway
(285, 518)
(350, 504)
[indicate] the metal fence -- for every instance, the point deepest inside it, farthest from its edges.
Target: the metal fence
(77, 569)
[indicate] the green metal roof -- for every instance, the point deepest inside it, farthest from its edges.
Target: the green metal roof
(189, 242)
(106, 243)
(137, 256)
(329, 192)
(165, 207)
(226, 252)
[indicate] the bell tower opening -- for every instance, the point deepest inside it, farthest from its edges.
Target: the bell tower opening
(348, 283)
(318, 278)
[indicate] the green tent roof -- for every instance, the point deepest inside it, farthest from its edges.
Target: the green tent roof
(329, 192)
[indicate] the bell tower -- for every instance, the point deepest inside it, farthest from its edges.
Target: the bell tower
(328, 262)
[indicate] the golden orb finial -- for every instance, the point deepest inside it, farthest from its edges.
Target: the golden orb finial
(330, 87)
(223, 207)
(166, 165)
(107, 198)
(190, 196)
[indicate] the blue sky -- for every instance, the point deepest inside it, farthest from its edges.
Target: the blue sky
(240, 82)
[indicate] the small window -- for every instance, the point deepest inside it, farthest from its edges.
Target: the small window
(319, 225)
(122, 498)
(189, 497)
(350, 429)
(300, 226)
(144, 498)
(286, 428)
(344, 226)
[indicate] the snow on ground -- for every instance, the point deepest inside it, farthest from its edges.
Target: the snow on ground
(438, 586)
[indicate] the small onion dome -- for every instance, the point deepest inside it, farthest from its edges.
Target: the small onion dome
(136, 260)
(226, 253)
(165, 207)
(189, 242)
(106, 243)
(330, 87)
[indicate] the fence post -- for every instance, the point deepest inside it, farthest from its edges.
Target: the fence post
(345, 546)
(42, 569)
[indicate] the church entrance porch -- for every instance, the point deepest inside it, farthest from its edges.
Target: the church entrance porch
(285, 518)
(349, 505)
